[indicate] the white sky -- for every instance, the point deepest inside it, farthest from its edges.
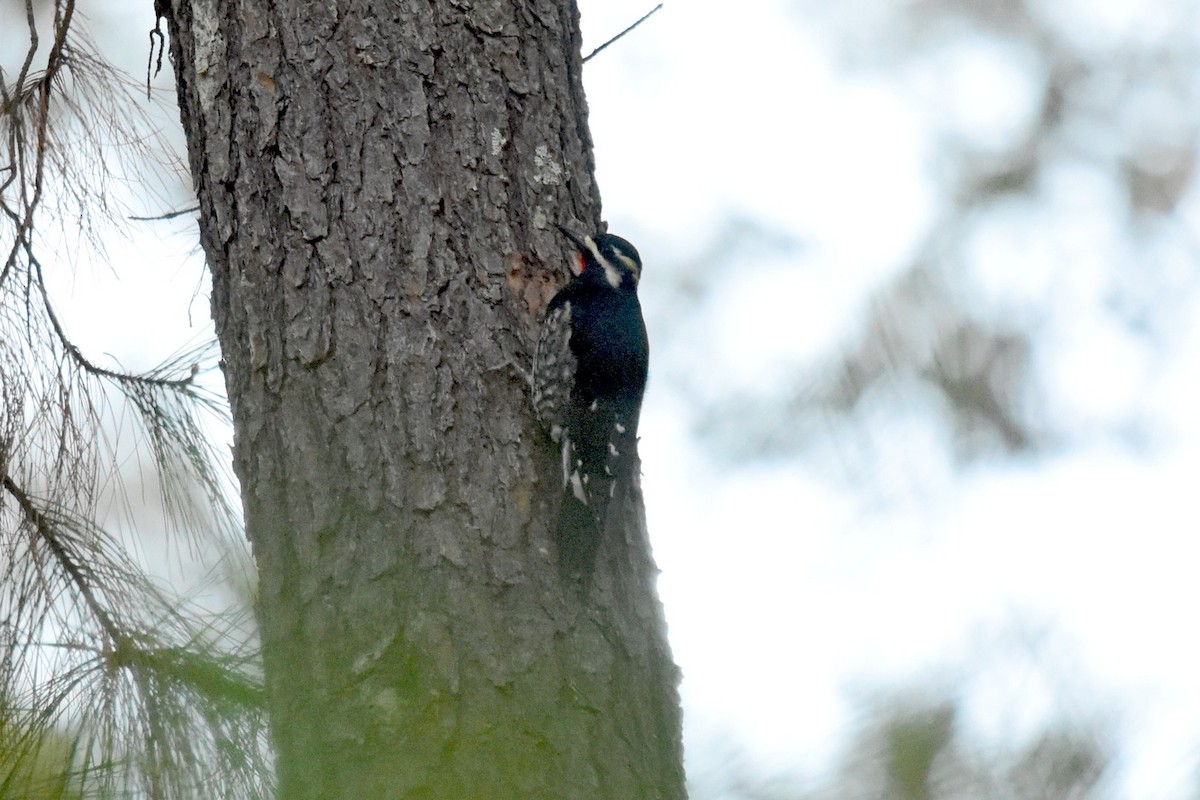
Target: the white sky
(786, 591)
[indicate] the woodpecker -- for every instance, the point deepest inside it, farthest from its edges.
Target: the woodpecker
(589, 375)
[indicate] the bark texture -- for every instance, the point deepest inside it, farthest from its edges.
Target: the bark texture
(376, 183)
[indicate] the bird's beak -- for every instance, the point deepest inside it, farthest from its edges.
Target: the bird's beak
(579, 243)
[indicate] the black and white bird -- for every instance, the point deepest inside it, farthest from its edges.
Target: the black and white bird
(589, 375)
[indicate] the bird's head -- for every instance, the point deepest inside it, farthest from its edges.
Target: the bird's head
(606, 259)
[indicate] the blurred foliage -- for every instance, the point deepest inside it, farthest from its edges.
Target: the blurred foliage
(911, 746)
(1114, 103)
(37, 764)
(1087, 183)
(912, 749)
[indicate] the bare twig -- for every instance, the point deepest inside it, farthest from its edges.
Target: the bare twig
(167, 215)
(33, 46)
(645, 17)
(156, 37)
(78, 357)
(54, 63)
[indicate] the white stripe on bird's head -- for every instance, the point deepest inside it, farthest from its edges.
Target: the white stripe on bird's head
(635, 269)
(611, 273)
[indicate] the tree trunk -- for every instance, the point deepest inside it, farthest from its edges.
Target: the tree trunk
(376, 184)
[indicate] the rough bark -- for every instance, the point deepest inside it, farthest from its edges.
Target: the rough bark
(376, 182)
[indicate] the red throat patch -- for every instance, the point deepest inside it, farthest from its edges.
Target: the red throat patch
(582, 262)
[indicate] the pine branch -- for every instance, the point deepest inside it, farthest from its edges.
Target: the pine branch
(48, 534)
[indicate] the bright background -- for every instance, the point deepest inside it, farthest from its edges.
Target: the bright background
(783, 167)
(890, 191)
